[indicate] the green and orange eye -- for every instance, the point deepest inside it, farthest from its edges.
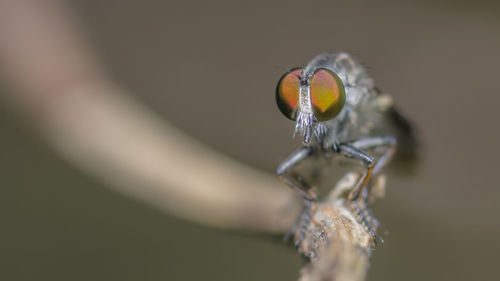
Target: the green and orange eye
(287, 93)
(327, 94)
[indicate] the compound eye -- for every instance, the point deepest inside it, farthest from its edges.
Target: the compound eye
(327, 94)
(287, 93)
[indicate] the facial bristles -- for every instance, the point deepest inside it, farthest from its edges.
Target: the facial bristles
(320, 131)
(304, 125)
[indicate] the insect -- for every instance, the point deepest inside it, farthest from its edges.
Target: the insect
(338, 111)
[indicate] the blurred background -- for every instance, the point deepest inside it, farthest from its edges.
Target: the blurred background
(210, 68)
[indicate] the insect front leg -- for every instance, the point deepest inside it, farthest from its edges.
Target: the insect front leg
(368, 161)
(350, 151)
(299, 184)
(371, 143)
(294, 180)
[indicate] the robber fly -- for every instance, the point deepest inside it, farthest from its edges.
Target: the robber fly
(338, 111)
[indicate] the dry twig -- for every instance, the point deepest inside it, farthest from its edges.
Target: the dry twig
(336, 243)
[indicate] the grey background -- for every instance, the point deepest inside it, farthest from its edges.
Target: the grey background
(210, 68)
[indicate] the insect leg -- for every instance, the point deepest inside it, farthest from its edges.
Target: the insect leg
(368, 210)
(294, 180)
(350, 151)
(370, 220)
(366, 144)
(297, 183)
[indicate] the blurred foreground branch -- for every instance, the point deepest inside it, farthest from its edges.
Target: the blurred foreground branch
(98, 127)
